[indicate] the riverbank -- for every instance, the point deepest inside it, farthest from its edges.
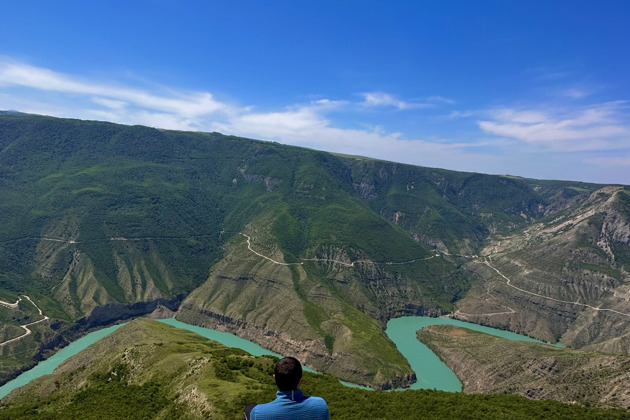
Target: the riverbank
(431, 372)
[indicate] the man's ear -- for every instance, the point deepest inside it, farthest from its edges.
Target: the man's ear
(299, 382)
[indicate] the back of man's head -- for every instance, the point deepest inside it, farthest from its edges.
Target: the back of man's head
(288, 373)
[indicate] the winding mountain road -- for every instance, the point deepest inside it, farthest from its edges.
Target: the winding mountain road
(11, 305)
(474, 258)
(595, 308)
(27, 331)
(249, 246)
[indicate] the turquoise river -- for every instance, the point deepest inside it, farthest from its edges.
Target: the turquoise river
(431, 372)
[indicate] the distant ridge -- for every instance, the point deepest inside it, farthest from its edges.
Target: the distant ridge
(147, 369)
(102, 221)
(14, 113)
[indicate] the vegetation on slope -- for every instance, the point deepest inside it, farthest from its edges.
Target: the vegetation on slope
(295, 309)
(532, 370)
(568, 280)
(102, 221)
(148, 370)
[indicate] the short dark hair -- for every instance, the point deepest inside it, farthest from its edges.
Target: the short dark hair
(288, 372)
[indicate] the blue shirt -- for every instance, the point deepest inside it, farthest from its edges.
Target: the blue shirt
(290, 405)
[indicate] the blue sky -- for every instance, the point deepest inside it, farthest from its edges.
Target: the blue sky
(539, 89)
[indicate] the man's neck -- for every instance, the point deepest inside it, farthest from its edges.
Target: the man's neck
(292, 395)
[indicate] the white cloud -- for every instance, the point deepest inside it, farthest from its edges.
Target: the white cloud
(382, 99)
(307, 126)
(461, 114)
(110, 103)
(275, 125)
(596, 127)
(575, 93)
(620, 161)
(186, 105)
(493, 145)
(440, 99)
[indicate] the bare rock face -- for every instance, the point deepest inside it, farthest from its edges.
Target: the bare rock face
(285, 308)
(310, 352)
(532, 370)
(162, 312)
(566, 279)
(107, 221)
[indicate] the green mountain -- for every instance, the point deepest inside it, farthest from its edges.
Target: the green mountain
(301, 251)
(149, 370)
(563, 278)
(533, 370)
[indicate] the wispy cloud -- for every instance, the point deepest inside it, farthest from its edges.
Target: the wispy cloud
(121, 102)
(382, 99)
(549, 73)
(619, 161)
(490, 144)
(461, 114)
(307, 125)
(110, 103)
(595, 127)
(442, 99)
(574, 93)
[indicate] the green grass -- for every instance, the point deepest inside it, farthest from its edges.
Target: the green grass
(118, 181)
(609, 271)
(563, 374)
(151, 371)
(180, 197)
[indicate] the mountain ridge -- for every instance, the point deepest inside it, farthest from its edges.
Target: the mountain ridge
(102, 218)
(147, 369)
(532, 370)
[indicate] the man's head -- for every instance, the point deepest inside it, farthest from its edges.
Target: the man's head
(288, 374)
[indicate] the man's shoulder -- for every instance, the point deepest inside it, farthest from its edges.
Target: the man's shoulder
(319, 401)
(314, 406)
(311, 401)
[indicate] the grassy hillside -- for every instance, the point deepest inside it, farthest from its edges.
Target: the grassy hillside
(454, 211)
(148, 370)
(568, 274)
(532, 370)
(103, 221)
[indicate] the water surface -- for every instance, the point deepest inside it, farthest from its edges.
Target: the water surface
(430, 371)
(225, 338)
(47, 366)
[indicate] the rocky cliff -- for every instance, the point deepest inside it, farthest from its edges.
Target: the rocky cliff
(564, 279)
(487, 364)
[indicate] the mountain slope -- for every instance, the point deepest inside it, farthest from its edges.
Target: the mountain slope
(104, 222)
(564, 278)
(147, 369)
(529, 369)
